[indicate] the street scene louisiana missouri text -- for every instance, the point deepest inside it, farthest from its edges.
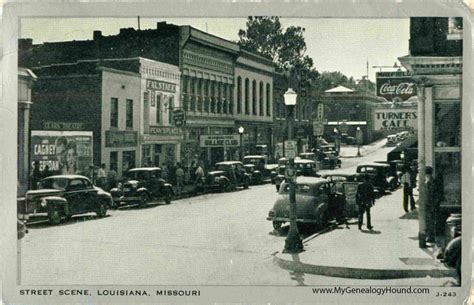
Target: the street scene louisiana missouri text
(251, 151)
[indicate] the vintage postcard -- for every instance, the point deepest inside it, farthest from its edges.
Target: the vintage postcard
(218, 152)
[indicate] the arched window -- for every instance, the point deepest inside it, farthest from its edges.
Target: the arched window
(239, 95)
(213, 97)
(260, 99)
(231, 99)
(199, 95)
(193, 94)
(268, 101)
(247, 93)
(206, 95)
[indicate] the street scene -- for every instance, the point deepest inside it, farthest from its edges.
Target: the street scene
(177, 153)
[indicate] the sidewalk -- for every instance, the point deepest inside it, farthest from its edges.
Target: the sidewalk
(389, 251)
(351, 151)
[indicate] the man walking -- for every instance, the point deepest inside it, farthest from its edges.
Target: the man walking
(365, 199)
(102, 176)
(198, 182)
(179, 178)
(407, 181)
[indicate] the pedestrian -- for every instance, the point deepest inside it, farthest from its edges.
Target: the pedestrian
(164, 172)
(102, 176)
(365, 199)
(199, 176)
(46, 172)
(431, 205)
(35, 175)
(406, 181)
(112, 179)
(192, 171)
(179, 178)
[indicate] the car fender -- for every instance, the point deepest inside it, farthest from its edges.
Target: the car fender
(55, 200)
(143, 190)
(169, 187)
(390, 180)
(116, 192)
(223, 180)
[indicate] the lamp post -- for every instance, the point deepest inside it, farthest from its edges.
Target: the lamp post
(359, 140)
(241, 133)
(293, 242)
(337, 139)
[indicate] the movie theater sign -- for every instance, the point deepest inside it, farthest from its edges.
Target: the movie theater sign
(395, 119)
(395, 86)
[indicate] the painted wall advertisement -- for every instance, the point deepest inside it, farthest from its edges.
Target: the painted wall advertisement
(393, 119)
(64, 152)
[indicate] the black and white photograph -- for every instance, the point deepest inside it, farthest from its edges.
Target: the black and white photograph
(257, 151)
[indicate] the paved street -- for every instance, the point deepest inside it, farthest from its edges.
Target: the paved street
(213, 239)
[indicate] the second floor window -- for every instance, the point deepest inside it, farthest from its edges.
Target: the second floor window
(158, 109)
(114, 112)
(129, 114)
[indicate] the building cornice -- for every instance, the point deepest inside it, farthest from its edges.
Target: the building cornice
(432, 65)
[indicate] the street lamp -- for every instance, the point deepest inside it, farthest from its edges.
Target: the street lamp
(241, 133)
(359, 139)
(337, 139)
(293, 242)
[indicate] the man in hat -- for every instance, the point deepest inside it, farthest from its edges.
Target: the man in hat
(365, 199)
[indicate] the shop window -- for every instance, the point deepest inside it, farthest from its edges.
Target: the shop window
(113, 112)
(129, 114)
(239, 95)
(447, 130)
(114, 160)
(448, 177)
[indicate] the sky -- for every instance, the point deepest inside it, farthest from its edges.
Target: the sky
(343, 45)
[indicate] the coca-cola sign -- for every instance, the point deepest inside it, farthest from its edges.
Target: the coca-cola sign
(395, 87)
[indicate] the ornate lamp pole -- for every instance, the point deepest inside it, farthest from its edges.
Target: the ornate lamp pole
(293, 242)
(241, 133)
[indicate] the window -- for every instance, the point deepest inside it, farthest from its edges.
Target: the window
(129, 114)
(128, 160)
(206, 95)
(447, 123)
(159, 111)
(455, 28)
(268, 101)
(448, 178)
(113, 160)
(247, 93)
(170, 109)
(254, 97)
(75, 185)
(260, 100)
(231, 99)
(199, 95)
(113, 112)
(239, 95)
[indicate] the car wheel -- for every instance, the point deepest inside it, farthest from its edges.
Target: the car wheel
(246, 183)
(144, 198)
(102, 210)
(277, 225)
(54, 217)
(168, 197)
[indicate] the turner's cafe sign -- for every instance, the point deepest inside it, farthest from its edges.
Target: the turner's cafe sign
(395, 86)
(393, 119)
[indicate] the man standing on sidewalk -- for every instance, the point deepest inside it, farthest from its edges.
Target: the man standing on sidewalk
(365, 199)
(407, 181)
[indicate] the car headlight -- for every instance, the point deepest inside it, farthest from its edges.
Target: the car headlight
(44, 203)
(119, 185)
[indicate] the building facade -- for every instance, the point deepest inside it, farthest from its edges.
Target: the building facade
(435, 62)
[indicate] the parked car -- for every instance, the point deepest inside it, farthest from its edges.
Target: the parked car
(395, 171)
(316, 203)
(303, 167)
(261, 165)
(309, 156)
(21, 229)
(235, 171)
(217, 181)
(256, 176)
(62, 196)
(141, 186)
(392, 140)
(328, 157)
(379, 176)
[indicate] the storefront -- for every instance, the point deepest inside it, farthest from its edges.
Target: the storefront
(161, 146)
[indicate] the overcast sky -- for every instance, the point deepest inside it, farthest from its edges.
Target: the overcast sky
(342, 45)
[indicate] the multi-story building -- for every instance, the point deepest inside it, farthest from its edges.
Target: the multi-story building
(435, 63)
(209, 66)
(125, 105)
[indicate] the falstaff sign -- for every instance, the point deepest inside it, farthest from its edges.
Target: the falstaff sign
(220, 141)
(395, 86)
(152, 84)
(395, 118)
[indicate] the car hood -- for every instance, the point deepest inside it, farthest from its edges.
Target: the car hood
(42, 192)
(305, 206)
(101, 191)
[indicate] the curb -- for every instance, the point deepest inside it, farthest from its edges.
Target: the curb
(360, 273)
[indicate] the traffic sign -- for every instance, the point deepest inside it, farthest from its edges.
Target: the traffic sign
(290, 149)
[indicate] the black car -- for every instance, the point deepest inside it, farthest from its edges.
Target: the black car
(260, 167)
(395, 171)
(235, 172)
(303, 167)
(62, 196)
(217, 181)
(143, 185)
(328, 157)
(379, 176)
(256, 176)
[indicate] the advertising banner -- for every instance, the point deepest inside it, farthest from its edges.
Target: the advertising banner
(395, 86)
(395, 118)
(64, 152)
(220, 140)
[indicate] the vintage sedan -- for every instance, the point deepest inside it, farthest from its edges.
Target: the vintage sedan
(217, 181)
(316, 203)
(235, 171)
(379, 176)
(304, 167)
(256, 176)
(328, 157)
(63, 196)
(143, 185)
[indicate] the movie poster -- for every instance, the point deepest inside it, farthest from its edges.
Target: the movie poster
(63, 152)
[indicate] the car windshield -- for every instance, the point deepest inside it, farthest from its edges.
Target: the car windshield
(307, 156)
(254, 161)
(138, 175)
(56, 183)
(223, 167)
